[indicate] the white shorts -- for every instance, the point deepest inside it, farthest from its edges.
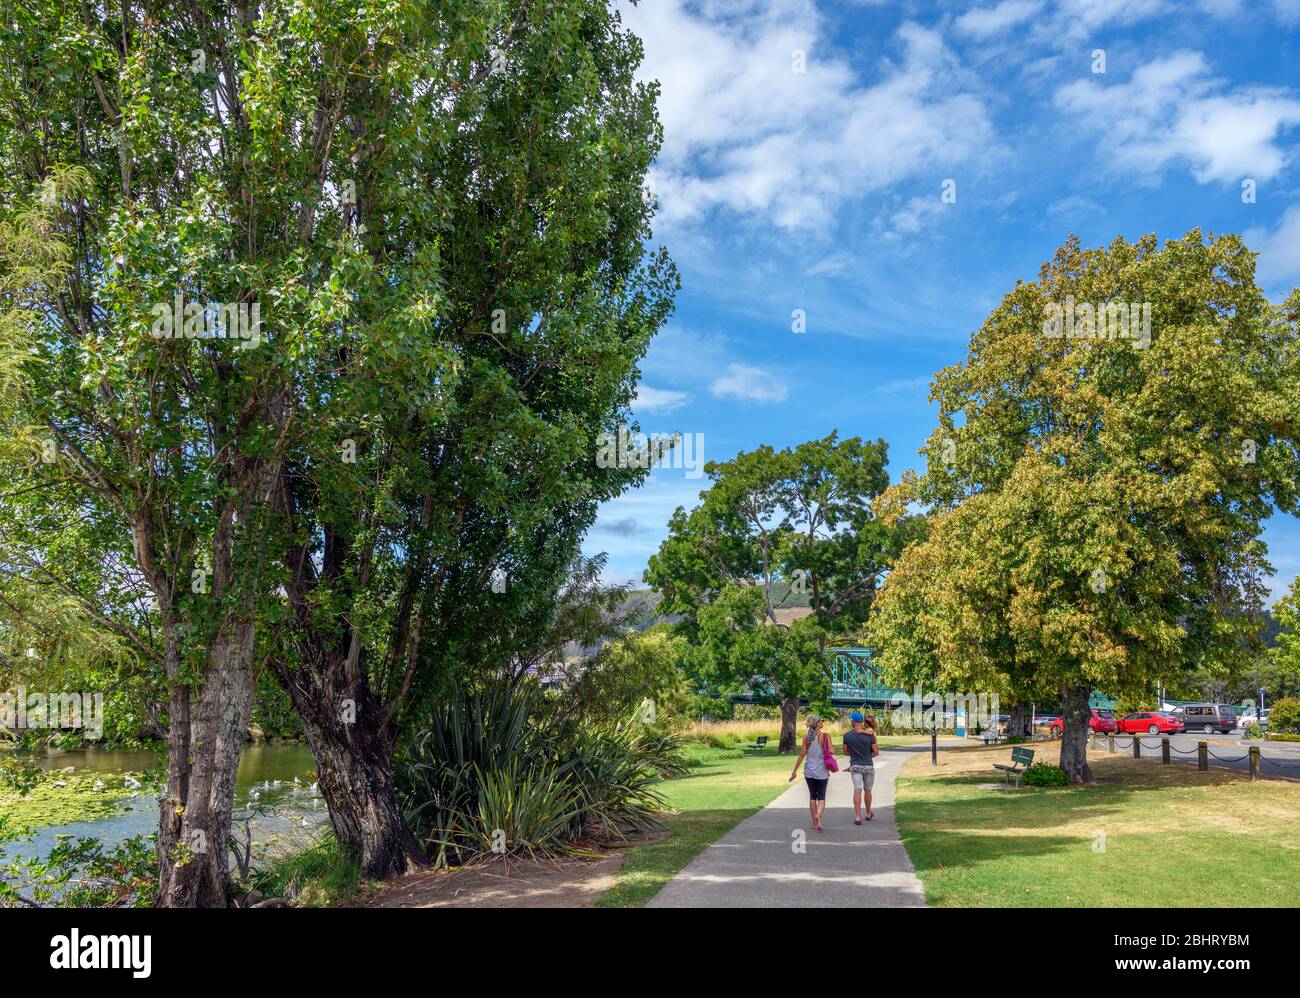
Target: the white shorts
(864, 777)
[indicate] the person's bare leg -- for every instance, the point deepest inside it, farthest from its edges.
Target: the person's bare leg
(857, 805)
(812, 811)
(870, 813)
(821, 808)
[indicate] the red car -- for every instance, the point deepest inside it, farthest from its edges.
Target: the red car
(1151, 722)
(1101, 721)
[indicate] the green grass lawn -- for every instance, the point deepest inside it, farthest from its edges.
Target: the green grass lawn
(1146, 835)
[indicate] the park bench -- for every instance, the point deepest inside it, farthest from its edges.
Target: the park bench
(759, 743)
(1021, 759)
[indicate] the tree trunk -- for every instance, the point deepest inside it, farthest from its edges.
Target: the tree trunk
(1019, 723)
(354, 768)
(204, 742)
(789, 719)
(1074, 735)
(210, 712)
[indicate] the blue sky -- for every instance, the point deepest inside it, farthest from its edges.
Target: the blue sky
(822, 191)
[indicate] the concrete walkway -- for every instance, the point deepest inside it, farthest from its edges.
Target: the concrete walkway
(757, 865)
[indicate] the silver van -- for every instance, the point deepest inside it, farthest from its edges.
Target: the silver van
(1207, 717)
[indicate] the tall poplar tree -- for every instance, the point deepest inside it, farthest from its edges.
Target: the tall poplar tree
(345, 294)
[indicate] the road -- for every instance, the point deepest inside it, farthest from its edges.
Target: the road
(1279, 759)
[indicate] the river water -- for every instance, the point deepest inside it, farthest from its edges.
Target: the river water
(275, 790)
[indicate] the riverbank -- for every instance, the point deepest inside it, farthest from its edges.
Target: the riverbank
(107, 796)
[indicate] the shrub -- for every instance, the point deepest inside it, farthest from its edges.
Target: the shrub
(1044, 774)
(614, 767)
(504, 773)
(83, 873)
(696, 754)
(1254, 731)
(1285, 717)
(729, 734)
(273, 711)
(752, 711)
(626, 673)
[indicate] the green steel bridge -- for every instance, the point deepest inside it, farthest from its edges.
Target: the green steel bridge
(855, 680)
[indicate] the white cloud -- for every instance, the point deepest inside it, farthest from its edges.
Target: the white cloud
(751, 384)
(1220, 8)
(1279, 250)
(1287, 11)
(830, 266)
(1171, 111)
(906, 386)
(907, 220)
(1074, 208)
(1072, 26)
(985, 22)
(683, 355)
(744, 132)
(1083, 18)
(650, 399)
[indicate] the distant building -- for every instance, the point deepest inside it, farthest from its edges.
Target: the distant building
(787, 615)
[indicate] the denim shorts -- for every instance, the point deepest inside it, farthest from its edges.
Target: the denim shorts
(864, 777)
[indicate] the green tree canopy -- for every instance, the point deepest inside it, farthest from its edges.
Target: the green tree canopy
(436, 212)
(775, 525)
(1096, 502)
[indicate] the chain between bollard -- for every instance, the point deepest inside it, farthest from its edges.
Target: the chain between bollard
(1220, 758)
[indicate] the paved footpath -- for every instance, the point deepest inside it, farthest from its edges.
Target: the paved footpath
(755, 864)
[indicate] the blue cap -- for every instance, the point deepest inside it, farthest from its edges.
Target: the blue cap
(855, 717)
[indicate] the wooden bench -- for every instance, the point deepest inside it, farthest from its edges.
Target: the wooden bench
(759, 743)
(1021, 759)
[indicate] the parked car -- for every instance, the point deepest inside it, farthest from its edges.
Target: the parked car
(1207, 717)
(1177, 719)
(1101, 721)
(1260, 718)
(1150, 722)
